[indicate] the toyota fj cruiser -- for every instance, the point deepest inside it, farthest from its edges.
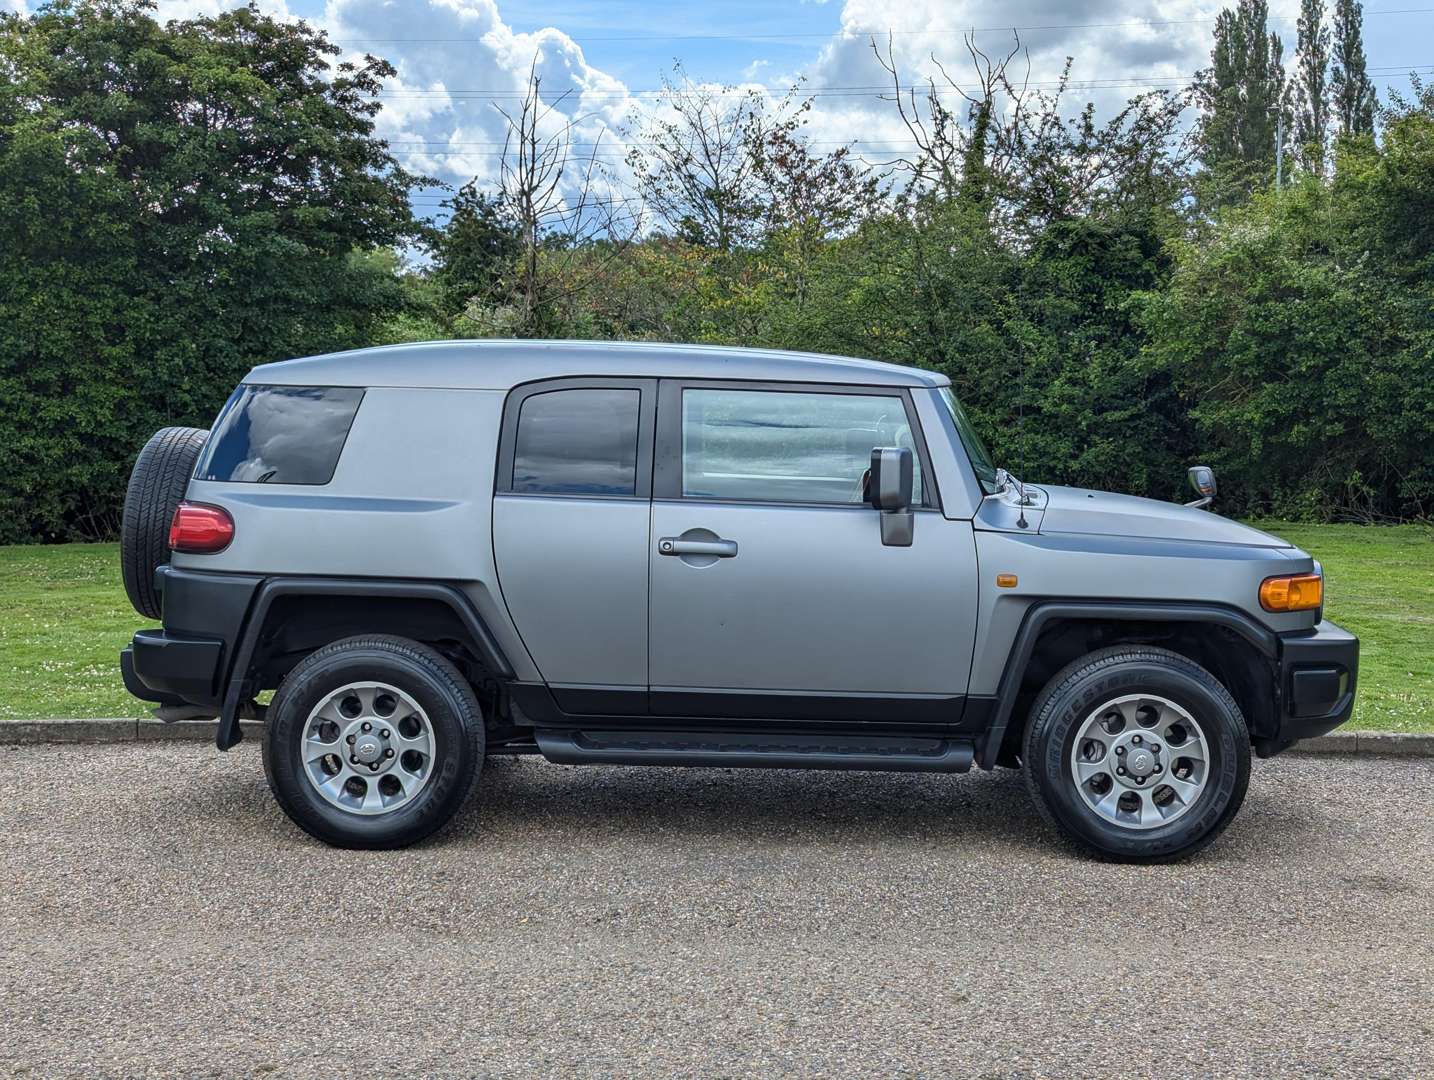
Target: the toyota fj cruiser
(677, 555)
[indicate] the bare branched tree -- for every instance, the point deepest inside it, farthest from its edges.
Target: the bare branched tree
(1020, 156)
(571, 219)
(957, 155)
(694, 162)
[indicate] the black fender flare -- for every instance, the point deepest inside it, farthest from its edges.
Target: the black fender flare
(229, 733)
(1043, 612)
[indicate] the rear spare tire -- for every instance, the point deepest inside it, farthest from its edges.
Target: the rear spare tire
(156, 486)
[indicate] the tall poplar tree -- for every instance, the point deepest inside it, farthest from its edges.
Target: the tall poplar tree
(1243, 102)
(1310, 90)
(1351, 91)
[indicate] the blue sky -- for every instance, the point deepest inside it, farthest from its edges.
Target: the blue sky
(721, 41)
(707, 37)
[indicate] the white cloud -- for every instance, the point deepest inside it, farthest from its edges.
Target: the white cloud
(189, 9)
(1117, 53)
(753, 70)
(453, 57)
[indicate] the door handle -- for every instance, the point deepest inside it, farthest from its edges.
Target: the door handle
(675, 545)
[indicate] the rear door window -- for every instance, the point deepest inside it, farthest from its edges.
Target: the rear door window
(280, 435)
(578, 439)
(578, 442)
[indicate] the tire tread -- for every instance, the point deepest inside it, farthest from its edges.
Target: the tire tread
(156, 485)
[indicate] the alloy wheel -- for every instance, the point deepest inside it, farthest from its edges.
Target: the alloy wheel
(368, 748)
(1140, 761)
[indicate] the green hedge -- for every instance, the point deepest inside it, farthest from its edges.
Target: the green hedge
(176, 204)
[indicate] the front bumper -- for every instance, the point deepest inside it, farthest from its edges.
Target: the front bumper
(1318, 670)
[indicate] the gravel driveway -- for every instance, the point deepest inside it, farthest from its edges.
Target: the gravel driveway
(161, 917)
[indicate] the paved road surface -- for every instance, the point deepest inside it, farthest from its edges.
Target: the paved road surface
(161, 917)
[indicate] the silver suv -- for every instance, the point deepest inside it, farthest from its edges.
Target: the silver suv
(674, 555)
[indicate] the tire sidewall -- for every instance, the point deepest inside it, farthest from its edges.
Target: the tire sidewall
(458, 750)
(1225, 736)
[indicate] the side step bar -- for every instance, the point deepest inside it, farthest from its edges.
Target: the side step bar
(774, 750)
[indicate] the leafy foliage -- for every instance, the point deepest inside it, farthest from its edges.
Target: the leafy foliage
(1112, 304)
(1298, 329)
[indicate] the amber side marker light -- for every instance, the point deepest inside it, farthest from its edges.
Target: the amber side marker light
(1006, 581)
(1300, 592)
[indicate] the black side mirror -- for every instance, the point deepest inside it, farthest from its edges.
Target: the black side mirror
(1202, 479)
(889, 490)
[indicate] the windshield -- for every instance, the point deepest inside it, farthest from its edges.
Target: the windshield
(975, 448)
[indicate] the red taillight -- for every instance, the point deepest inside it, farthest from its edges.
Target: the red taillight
(200, 530)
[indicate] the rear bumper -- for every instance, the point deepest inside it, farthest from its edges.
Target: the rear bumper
(171, 670)
(187, 662)
(1318, 671)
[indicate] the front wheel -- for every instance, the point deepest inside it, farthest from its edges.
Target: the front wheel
(1137, 753)
(373, 742)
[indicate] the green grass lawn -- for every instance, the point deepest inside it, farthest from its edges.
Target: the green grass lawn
(64, 618)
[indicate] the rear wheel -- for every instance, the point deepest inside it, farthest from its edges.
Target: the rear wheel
(1137, 753)
(373, 742)
(156, 485)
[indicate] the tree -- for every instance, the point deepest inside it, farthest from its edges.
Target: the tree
(1060, 167)
(955, 158)
(475, 252)
(1311, 92)
(694, 161)
(1353, 94)
(1243, 103)
(808, 199)
(177, 204)
(1021, 158)
(562, 204)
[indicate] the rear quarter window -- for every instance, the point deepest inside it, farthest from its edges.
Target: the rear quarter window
(280, 435)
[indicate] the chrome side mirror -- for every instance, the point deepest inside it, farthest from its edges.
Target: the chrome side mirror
(1202, 479)
(889, 489)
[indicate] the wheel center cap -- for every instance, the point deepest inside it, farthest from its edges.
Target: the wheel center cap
(1139, 762)
(368, 748)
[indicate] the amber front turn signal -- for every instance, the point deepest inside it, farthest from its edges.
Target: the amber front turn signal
(1301, 592)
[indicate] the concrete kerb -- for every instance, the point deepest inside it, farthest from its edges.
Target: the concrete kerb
(32, 732)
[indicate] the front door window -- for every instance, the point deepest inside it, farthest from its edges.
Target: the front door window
(786, 446)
